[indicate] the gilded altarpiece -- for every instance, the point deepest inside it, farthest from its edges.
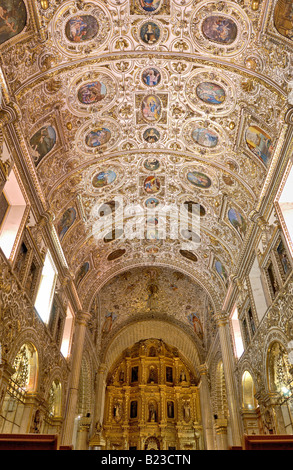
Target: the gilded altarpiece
(152, 401)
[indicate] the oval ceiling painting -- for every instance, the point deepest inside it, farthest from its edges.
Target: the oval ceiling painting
(116, 254)
(151, 77)
(43, 142)
(283, 18)
(104, 178)
(219, 29)
(191, 236)
(221, 271)
(108, 208)
(199, 180)
(260, 143)
(13, 18)
(81, 28)
(92, 93)
(152, 164)
(150, 33)
(150, 5)
(205, 137)
(98, 137)
(152, 203)
(188, 255)
(151, 135)
(152, 184)
(211, 93)
(151, 108)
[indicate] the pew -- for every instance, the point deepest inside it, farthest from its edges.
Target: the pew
(268, 442)
(30, 442)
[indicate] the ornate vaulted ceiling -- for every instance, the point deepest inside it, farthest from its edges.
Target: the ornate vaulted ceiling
(150, 103)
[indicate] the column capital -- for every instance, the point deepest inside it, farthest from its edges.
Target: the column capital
(203, 369)
(221, 318)
(82, 318)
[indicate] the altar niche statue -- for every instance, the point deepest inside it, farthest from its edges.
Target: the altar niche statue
(183, 376)
(117, 411)
(152, 375)
(152, 412)
(186, 411)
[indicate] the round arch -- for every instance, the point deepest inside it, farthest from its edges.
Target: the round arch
(158, 329)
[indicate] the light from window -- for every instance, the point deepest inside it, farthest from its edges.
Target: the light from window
(238, 343)
(285, 206)
(46, 289)
(67, 333)
(12, 209)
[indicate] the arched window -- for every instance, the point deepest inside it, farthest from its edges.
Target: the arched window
(248, 391)
(55, 396)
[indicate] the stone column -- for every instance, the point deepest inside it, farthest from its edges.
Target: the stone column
(81, 321)
(97, 442)
(221, 433)
(229, 370)
(82, 440)
(206, 411)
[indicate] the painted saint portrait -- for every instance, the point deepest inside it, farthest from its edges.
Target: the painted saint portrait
(151, 77)
(219, 29)
(283, 18)
(81, 28)
(260, 143)
(150, 5)
(152, 203)
(151, 108)
(116, 255)
(66, 222)
(98, 137)
(189, 255)
(200, 180)
(195, 322)
(237, 221)
(104, 178)
(110, 318)
(43, 142)
(221, 271)
(82, 272)
(92, 93)
(152, 184)
(151, 135)
(150, 33)
(284, 258)
(152, 164)
(211, 93)
(13, 19)
(205, 137)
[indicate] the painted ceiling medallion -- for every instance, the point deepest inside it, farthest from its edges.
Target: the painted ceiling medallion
(78, 31)
(13, 19)
(116, 255)
(42, 142)
(219, 29)
(152, 164)
(211, 93)
(150, 6)
(151, 108)
(194, 208)
(152, 185)
(151, 135)
(92, 93)
(67, 220)
(104, 178)
(238, 221)
(198, 179)
(81, 28)
(283, 18)
(151, 77)
(260, 143)
(205, 137)
(98, 137)
(188, 255)
(150, 33)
